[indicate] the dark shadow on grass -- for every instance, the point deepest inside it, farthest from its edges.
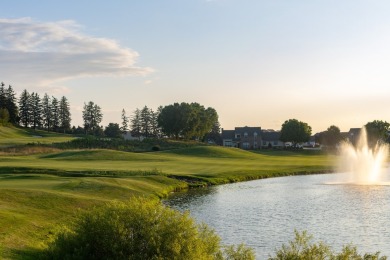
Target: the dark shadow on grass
(26, 254)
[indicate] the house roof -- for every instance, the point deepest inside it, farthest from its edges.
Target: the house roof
(249, 130)
(270, 136)
(227, 134)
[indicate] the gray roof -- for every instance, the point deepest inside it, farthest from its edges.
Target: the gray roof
(227, 134)
(270, 136)
(249, 130)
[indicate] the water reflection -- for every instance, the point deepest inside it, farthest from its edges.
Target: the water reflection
(263, 214)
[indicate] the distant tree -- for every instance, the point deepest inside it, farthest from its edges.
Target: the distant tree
(154, 129)
(11, 105)
(78, 131)
(331, 137)
(125, 122)
(4, 116)
(214, 135)
(136, 124)
(47, 112)
(2, 95)
(55, 110)
(64, 113)
(187, 120)
(113, 130)
(25, 108)
(92, 116)
(377, 131)
(36, 110)
(295, 131)
(145, 120)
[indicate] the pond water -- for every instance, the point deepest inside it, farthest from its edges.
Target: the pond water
(264, 213)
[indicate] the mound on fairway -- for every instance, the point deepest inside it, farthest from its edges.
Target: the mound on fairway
(213, 152)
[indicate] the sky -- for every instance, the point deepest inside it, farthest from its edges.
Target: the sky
(258, 63)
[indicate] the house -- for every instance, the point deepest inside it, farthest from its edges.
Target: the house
(251, 138)
(270, 139)
(128, 136)
(246, 137)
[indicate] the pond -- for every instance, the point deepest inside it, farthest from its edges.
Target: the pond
(264, 213)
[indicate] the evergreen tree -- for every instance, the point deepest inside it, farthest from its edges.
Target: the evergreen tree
(36, 110)
(25, 108)
(55, 110)
(11, 105)
(155, 130)
(136, 123)
(47, 113)
(92, 117)
(125, 122)
(65, 116)
(145, 121)
(2, 95)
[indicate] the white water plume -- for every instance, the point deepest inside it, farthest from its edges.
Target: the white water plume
(364, 165)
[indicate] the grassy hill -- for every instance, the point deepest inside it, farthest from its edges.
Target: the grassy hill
(11, 136)
(40, 191)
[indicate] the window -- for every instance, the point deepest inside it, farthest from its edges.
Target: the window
(238, 136)
(245, 145)
(255, 135)
(275, 142)
(245, 134)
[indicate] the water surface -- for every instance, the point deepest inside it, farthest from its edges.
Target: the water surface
(264, 213)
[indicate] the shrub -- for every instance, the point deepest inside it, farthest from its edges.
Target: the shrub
(302, 248)
(138, 229)
(156, 148)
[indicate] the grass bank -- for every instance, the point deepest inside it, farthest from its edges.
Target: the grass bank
(44, 188)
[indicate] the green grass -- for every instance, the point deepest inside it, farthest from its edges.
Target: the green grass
(40, 191)
(11, 136)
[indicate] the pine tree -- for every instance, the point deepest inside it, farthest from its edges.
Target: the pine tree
(25, 108)
(155, 130)
(36, 110)
(145, 120)
(125, 122)
(136, 123)
(92, 117)
(55, 110)
(11, 105)
(2, 95)
(47, 114)
(65, 118)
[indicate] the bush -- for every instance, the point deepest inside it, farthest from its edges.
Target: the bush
(156, 148)
(139, 229)
(302, 248)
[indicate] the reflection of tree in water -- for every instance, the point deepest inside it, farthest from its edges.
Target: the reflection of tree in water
(182, 200)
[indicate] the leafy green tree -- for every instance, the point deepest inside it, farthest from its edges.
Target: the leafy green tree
(47, 112)
(125, 122)
(25, 108)
(92, 116)
(377, 131)
(295, 131)
(331, 137)
(65, 115)
(139, 229)
(113, 130)
(173, 119)
(215, 134)
(36, 110)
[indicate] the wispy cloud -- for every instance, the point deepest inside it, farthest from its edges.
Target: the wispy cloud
(42, 53)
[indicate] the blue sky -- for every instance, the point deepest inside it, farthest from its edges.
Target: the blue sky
(258, 63)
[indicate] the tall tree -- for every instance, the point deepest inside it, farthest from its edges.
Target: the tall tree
(11, 105)
(125, 122)
(55, 110)
(65, 115)
(2, 95)
(155, 130)
(113, 130)
(36, 110)
(47, 112)
(136, 123)
(25, 108)
(92, 116)
(145, 120)
(295, 131)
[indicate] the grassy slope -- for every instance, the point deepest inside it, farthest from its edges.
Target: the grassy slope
(10, 136)
(40, 191)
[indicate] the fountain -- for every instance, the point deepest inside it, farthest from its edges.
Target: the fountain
(364, 165)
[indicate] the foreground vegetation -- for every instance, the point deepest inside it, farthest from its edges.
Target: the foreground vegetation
(44, 187)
